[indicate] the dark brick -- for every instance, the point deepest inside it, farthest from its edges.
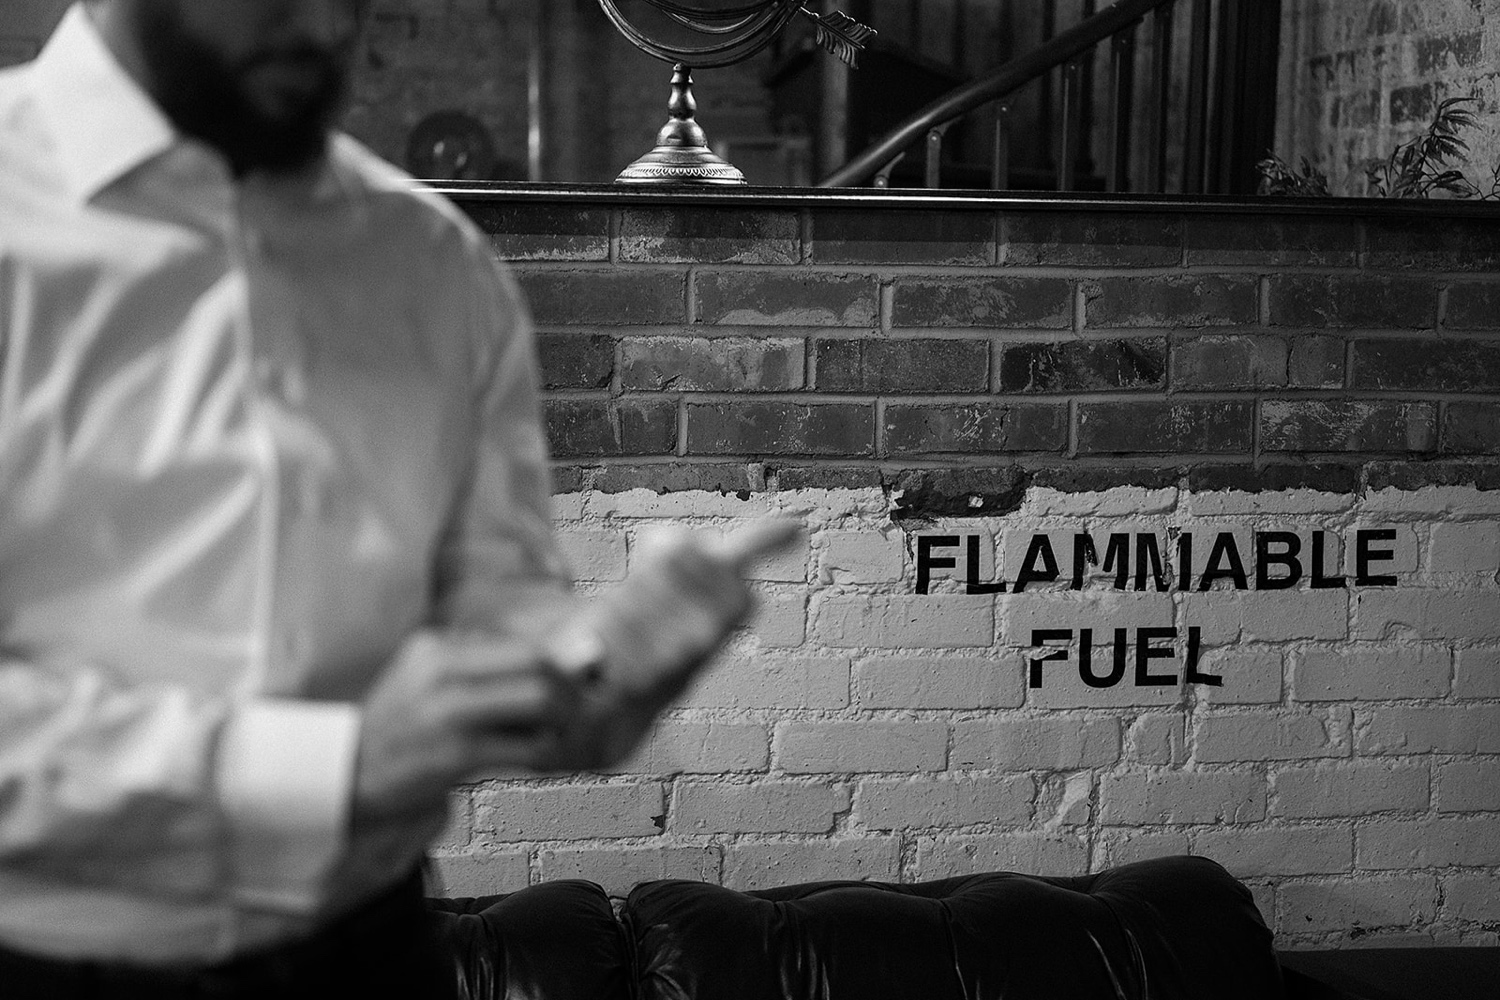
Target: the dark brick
(825, 477)
(1472, 306)
(1347, 425)
(605, 297)
(1262, 241)
(698, 364)
(1412, 104)
(576, 361)
(1084, 365)
(1317, 362)
(1427, 363)
(1177, 301)
(1408, 475)
(762, 298)
(539, 231)
(1435, 244)
(778, 428)
(739, 478)
(1205, 428)
(1101, 239)
(924, 494)
(903, 237)
(579, 428)
(1229, 361)
(1352, 301)
(1270, 478)
(975, 428)
(1001, 303)
(1450, 52)
(1093, 479)
(710, 235)
(903, 366)
(1471, 429)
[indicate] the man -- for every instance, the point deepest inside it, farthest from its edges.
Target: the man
(275, 564)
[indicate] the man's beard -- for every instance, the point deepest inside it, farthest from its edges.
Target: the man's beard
(204, 97)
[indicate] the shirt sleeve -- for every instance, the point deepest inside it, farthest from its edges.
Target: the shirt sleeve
(499, 569)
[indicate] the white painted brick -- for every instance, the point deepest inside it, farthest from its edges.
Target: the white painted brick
(675, 747)
(1123, 501)
(458, 832)
(1435, 843)
(1351, 788)
(1053, 743)
(1229, 503)
(1310, 850)
(1136, 799)
(1427, 613)
(567, 506)
(568, 812)
(618, 869)
(1469, 786)
(1363, 673)
(832, 747)
(778, 622)
(490, 874)
(764, 807)
(1026, 853)
(1477, 674)
(1436, 729)
(1268, 616)
(1102, 611)
(1252, 675)
(1122, 846)
(1468, 548)
(786, 566)
(761, 681)
(852, 557)
(1405, 551)
(936, 682)
(1448, 501)
(750, 865)
(644, 503)
(1230, 738)
(1159, 739)
(920, 803)
(1362, 902)
(1473, 897)
(1264, 896)
(908, 621)
(593, 554)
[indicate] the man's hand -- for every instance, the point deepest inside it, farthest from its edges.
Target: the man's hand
(450, 708)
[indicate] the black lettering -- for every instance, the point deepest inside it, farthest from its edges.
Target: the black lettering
(1040, 637)
(1085, 656)
(1364, 555)
(1084, 556)
(1227, 551)
(1185, 561)
(1145, 653)
(1265, 559)
(1319, 581)
(1194, 647)
(927, 562)
(1039, 548)
(1148, 553)
(1116, 557)
(972, 584)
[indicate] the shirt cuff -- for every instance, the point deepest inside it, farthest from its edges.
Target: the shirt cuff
(286, 775)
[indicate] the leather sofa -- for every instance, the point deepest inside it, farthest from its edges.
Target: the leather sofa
(1171, 929)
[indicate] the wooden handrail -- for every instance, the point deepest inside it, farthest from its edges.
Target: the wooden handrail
(998, 83)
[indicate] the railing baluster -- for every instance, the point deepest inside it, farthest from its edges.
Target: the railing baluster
(935, 155)
(1122, 106)
(1085, 148)
(1066, 178)
(1161, 25)
(1000, 173)
(1194, 161)
(1044, 117)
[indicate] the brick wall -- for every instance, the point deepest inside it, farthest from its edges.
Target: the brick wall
(917, 385)
(1360, 76)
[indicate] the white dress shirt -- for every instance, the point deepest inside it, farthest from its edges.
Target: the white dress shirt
(251, 435)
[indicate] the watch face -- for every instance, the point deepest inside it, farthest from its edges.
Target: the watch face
(451, 145)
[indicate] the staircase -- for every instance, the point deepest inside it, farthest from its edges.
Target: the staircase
(1142, 95)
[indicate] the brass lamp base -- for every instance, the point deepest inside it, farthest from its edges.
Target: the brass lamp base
(681, 157)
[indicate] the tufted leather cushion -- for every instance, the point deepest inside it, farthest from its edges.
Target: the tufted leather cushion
(1171, 929)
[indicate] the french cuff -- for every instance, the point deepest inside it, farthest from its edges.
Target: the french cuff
(286, 779)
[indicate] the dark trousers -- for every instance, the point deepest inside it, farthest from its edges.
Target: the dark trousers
(386, 948)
